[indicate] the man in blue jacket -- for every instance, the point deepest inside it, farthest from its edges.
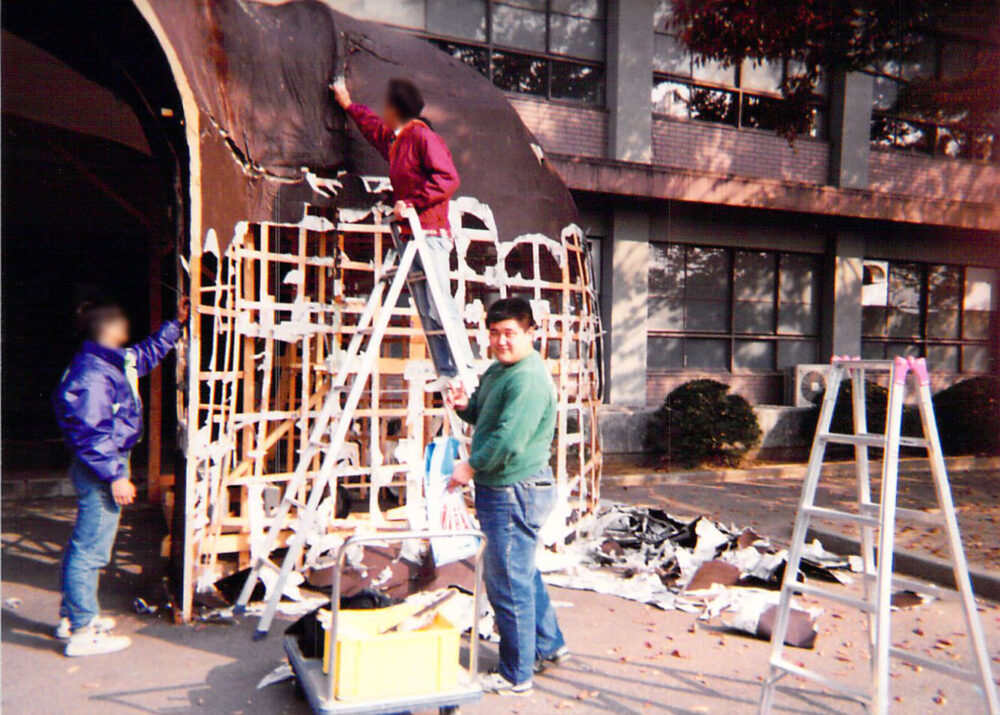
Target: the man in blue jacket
(99, 411)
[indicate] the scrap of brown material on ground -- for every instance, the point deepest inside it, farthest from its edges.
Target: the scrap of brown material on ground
(768, 503)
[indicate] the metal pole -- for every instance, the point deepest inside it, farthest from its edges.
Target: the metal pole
(887, 533)
(864, 486)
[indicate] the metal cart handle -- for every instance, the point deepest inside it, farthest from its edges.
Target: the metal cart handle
(400, 536)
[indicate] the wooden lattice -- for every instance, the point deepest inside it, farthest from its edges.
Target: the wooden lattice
(273, 315)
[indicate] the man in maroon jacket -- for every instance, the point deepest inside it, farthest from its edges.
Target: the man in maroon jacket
(423, 178)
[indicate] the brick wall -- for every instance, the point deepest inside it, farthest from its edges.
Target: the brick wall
(766, 388)
(746, 152)
(914, 175)
(562, 129)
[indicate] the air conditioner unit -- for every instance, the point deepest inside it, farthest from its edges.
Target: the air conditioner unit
(805, 384)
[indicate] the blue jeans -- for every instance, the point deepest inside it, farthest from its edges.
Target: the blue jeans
(89, 547)
(511, 517)
(432, 319)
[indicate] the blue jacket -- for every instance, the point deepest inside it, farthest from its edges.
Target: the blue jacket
(98, 408)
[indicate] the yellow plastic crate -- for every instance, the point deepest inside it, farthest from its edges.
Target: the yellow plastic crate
(370, 665)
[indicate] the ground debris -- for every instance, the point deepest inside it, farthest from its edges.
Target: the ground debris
(647, 555)
(280, 674)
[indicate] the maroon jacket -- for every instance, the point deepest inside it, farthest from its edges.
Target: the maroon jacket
(420, 166)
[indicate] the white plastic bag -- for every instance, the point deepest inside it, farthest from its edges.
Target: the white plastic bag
(446, 510)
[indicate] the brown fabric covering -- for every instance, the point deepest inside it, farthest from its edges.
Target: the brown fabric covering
(260, 74)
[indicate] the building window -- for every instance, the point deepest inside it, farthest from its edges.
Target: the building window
(731, 310)
(686, 87)
(892, 128)
(545, 48)
(944, 313)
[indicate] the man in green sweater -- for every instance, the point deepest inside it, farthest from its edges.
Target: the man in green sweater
(514, 413)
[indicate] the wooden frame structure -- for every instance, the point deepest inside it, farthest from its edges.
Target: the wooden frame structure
(271, 316)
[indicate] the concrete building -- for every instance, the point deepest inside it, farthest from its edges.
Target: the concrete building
(724, 250)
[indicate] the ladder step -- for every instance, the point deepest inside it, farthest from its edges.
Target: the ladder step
(971, 676)
(869, 440)
(818, 591)
(801, 672)
(390, 273)
(885, 365)
(296, 503)
(836, 514)
(905, 513)
(900, 583)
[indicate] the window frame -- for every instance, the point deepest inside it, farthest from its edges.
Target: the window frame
(731, 335)
(819, 103)
(491, 48)
(934, 128)
(923, 341)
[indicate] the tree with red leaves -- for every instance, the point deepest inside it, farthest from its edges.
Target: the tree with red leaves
(834, 36)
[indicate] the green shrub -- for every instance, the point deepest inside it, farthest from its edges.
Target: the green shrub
(877, 398)
(968, 416)
(700, 422)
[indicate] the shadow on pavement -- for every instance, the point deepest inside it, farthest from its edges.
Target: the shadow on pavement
(672, 682)
(34, 534)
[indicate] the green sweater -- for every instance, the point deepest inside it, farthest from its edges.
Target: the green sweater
(514, 412)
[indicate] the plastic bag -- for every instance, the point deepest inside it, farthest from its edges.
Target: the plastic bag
(446, 510)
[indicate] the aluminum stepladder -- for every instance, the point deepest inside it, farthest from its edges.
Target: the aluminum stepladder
(878, 578)
(334, 420)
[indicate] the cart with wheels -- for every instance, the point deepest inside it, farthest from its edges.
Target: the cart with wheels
(320, 687)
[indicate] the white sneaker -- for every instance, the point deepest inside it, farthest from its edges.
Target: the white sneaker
(495, 683)
(101, 623)
(91, 641)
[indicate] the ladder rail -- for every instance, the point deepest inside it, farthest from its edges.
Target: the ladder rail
(313, 444)
(334, 420)
(864, 489)
(878, 578)
(433, 282)
(887, 535)
(437, 298)
(960, 565)
(799, 535)
(337, 436)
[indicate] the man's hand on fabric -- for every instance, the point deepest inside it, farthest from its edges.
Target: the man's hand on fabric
(183, 309)
(456, 396)
(123, 491)
(340, 94)
(399, 210)
(461, 475)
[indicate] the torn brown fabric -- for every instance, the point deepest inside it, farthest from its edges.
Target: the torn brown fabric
(402, 579)
(714, 572)
(259, 75)
(801, 627)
